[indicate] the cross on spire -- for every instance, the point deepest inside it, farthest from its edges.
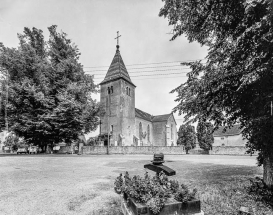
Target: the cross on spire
(117, 38)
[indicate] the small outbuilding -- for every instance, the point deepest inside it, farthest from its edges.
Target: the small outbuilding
(229, 137)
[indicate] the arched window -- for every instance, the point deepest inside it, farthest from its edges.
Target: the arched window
(126, 90)
(140, 131)
(112, 89)
(172, 131)
(108, 90)
(148, 133)
(129, 92)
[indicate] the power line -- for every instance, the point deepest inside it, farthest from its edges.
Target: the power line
(148, 71)
(173, 73)
(137, 78)
(146, 63)
(138, 68)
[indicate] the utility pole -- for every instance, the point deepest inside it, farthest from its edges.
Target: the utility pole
(108, 123)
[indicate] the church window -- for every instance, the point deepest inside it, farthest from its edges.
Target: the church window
(112, 128)
(140, 131)
(112, 89)
(108, 90)
(129, 92)
(172, 131)
(148, 133)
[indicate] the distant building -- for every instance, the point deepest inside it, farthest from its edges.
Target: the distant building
(231, 137)
(127, 124)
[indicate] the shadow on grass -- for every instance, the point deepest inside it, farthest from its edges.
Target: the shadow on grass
(76, 202)
(112, 207)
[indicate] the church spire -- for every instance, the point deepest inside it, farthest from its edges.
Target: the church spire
(117, 68)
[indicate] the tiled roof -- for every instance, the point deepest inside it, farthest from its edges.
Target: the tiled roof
(161, 118)
(117, 70)
(234, 130)
(143, 115)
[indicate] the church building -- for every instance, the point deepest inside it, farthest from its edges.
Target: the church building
(128, 125)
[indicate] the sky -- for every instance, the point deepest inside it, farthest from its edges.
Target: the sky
(93, 24)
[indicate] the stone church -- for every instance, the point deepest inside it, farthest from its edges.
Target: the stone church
(128, 125)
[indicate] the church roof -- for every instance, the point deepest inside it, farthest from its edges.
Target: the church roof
(117, 70)
(234, 130)
(143, 115)
(146, 116)
(161, 118)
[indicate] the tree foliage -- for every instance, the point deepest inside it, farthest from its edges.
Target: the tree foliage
(205, 135)
(235, 84)
(49, 96)
(186, 136)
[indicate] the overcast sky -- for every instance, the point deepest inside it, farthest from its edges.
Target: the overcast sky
(92, 26)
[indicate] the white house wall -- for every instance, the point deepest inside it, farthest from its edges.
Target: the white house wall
(234, 140)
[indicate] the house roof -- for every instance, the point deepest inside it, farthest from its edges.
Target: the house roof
(234, 130)
(117, 70)
(146, 116)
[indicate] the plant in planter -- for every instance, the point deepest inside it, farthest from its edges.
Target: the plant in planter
(152, 191)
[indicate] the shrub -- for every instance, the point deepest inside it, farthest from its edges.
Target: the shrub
(153, 191)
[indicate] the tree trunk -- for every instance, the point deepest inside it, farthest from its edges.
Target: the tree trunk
(268, 171)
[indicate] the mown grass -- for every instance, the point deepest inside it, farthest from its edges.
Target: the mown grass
(76, 202)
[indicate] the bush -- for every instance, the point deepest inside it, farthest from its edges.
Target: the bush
(154, 191)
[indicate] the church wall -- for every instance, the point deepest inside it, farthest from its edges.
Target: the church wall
(127, 109)
(114, 109)
(171, 132)
(145, 123)
(159, 133)
(122, 112)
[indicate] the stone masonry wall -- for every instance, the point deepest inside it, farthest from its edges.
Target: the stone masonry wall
(228, 150)
(101, 150)
(133, 150)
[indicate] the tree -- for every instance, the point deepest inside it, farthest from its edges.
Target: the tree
(235, 84)
(186, 137)
(49, 96)
(205, 135)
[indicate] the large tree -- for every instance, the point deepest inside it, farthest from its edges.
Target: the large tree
(49, 95)
(186, 137)
(235, 84)
(205, 135)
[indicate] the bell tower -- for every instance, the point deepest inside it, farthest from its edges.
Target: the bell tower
(117, 97)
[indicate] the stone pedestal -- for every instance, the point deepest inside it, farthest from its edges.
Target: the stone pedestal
(172, 207)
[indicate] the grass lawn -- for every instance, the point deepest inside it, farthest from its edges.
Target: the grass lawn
(72, 184)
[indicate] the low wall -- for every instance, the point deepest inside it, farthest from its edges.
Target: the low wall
(228, 150)
(97, 150)
(168, 150)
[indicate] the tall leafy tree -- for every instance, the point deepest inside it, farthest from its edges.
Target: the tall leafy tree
(235, 84)
(205, 135)
(49, 96)
(186, 137)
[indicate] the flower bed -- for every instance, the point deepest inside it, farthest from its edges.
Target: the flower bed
(156, 195)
